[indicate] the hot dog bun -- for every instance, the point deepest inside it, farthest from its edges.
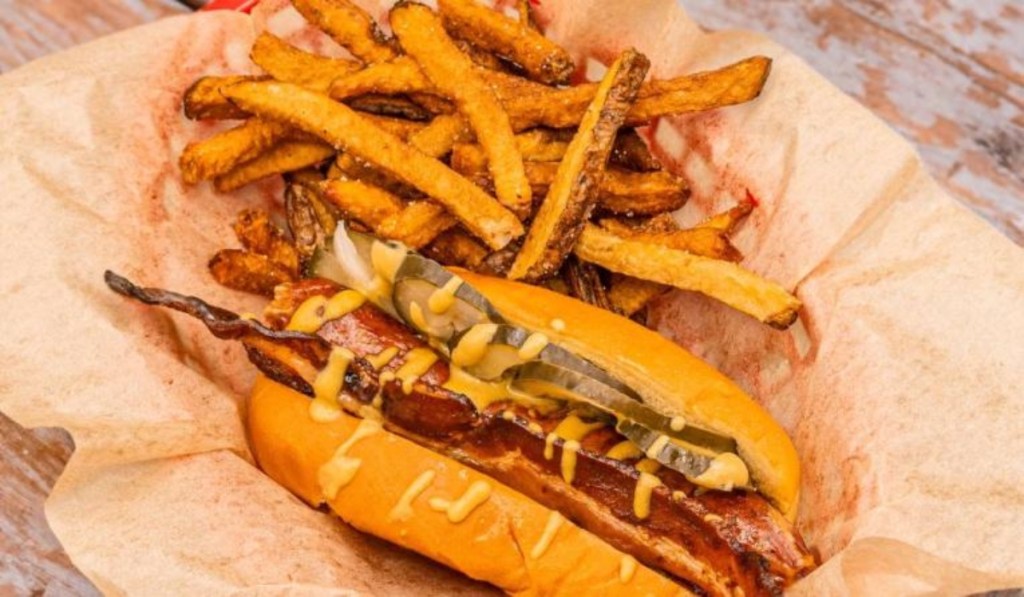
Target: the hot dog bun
(501, 541)
(668, 377)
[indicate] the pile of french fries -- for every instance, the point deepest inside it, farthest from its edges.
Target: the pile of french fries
(461, 137)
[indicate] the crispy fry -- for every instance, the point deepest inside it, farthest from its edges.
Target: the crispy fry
(727, 282)
(706, 242)
(248, 272)
(401, 75)
(526, 14)
(583, 281)
(394, 106)
(287, 63)
(456, 247)
(440, 136)
(310, 222)
(628, 295)
(417, 224)
(203, 100)
(479, 56)
(399, 127)
(632, 153)
(202, 160)
(348, 25)
(284, 157)
(727, 221)
(368, 204)
(420, 32)
(541, 58)
(257, 234)
(574, 190)
(306, 177)
(536, 145)
(563, 108)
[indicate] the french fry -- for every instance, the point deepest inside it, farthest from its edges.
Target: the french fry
(348, 25)
(632, 153)
(456, 247)
(516, 41)
(257, 234)
(628, 295)
(440, 136)
(310, 221)
(389, 105)
(420, 32)
(209, 158)
(479, 56)
(399, 127)
(574, 191)
(248, 272)
(727, 282)
(583, 281)
(204, 101)
(401, 75)
(417, 224)
(287, 63)
(706, 242)
(369, 204)
(727, 221)
(284, 157)
(563, 108)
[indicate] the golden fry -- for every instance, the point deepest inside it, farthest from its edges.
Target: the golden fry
(401, 75)
(203, 100)
(516, 41)
(287, 63)
(420, 32)
(361, 201)
(310, 221)
(440, 136)
(574, 191)
(727, 221)
(583, 281)
(285, 157)
(536, 145)
(202, 160)
(257, 234)
(417, 224)
(248, 272)
(628, 295)
(389, 105)
(563, 108)
(348, 25)
(457, 247)
(631, 152)
(727, 282)
(706, 242)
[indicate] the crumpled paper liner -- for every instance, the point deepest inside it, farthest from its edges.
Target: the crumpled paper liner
(902, 384)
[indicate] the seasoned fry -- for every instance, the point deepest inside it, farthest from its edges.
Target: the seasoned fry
(285, 157)
(727, 221)
(248, 272)
(420, 32)
(307, 177)
(632, 153)
(394, 106)
(287, 63)
(456, 247)
(563, 108)
(310, 222)
(574, 190)
(536, 145)
(583, 281)
(348, 25)
(706, 242)
(479, 56)
(440, 136)
(727, 282)
(516, 41)
(202, 160)
(628, 295)
(399, 127)
(203, 100)
(257, 234)
(417, 224)
(360, 201)
(401, 75)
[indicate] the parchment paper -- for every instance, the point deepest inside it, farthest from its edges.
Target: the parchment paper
(902, 385)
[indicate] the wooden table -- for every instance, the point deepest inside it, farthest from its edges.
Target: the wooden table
(948, 74)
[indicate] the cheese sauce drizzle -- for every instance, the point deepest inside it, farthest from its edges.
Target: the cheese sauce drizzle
(572, 428)
(555, 521)
(382, 358)
(417, 362)
(627, 568)
(472, 347)
(403, 509)
(558, 325)
(316, 310)
(461, 508)
(726, 471)
(327, 385)
(642, 496)
(677, 423)
(569, 450)
(655, 448)
(624, 450)
(532, 346)
(416, 315)
(648, 466)
(339, 471)
(443, 298)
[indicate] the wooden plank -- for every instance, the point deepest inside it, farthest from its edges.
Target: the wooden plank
(947, 74)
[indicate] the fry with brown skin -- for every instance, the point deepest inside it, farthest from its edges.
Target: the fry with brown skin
(628, 295)
(257, 234)
(575, 188)
(516, 41)
(357, 200)
(456, 247)
(310, 222)
(706, 242)
(631, 152)
(417, 224)
(401, 75)
(727, 221)
(287, 63)
(284, 157)
(344, 129)
(394, 106)
(584, 282)
(217, 155)
(420, 32)
(248, 272)
(727, 282)
(203, 99)
(535, 145)
(348, 25)
(563, 108)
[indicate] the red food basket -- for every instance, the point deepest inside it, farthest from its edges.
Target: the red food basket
(240, 5)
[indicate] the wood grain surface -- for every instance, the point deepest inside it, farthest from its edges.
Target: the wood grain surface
(948, 74)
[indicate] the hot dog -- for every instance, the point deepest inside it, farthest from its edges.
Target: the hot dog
(515, 434)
